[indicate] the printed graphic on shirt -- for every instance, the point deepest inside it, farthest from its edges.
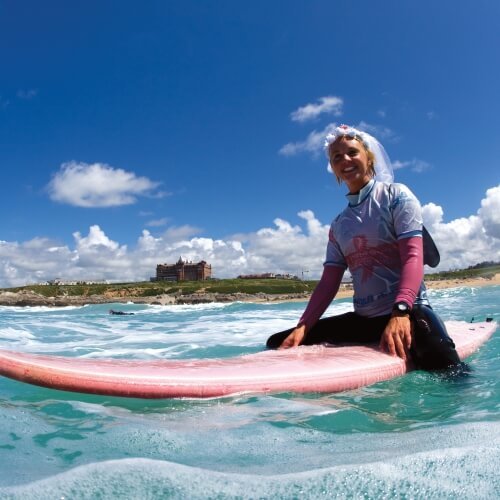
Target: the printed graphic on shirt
(364, 239)
(366, 259)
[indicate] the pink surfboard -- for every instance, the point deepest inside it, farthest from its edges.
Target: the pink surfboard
(302, 369)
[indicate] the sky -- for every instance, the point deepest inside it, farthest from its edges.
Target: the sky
(136, 133)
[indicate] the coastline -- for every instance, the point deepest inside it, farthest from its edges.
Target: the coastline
(31, 299)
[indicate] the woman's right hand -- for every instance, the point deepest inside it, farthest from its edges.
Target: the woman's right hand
(295, 338)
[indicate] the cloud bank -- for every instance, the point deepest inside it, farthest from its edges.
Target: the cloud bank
(462, 242)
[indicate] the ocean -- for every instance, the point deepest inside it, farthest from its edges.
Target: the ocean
(424, 435)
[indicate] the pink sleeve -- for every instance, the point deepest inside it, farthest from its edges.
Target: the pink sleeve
(411, 252)
(323, 294)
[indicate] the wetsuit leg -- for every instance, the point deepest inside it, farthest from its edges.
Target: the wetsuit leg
(432, 348)
(344, 328)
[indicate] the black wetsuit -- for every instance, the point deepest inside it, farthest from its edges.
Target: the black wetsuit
(432, 348)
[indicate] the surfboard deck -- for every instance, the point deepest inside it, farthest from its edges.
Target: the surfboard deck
(302, 369)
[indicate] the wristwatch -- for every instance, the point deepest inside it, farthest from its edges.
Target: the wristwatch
(401, 308)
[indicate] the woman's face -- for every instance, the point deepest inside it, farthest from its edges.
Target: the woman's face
(350, 163)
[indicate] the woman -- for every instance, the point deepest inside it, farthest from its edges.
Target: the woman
(378, 237)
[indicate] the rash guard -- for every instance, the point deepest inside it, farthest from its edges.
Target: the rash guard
(411, 277)
(368, 238)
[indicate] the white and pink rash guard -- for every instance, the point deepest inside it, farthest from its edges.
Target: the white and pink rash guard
(378, 236)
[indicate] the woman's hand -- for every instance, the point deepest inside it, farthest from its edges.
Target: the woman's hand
(295, 338)
(396, 338)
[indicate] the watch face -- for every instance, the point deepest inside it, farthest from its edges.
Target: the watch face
(402, 307)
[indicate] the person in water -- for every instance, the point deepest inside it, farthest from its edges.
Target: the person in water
(120, 313)
(378, 237)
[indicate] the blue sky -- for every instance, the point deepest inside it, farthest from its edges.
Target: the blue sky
(134, 133)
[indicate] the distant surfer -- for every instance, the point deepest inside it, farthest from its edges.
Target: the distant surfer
(379, 238)
(120, 313)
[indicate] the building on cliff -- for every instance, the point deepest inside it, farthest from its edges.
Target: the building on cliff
(183, 271)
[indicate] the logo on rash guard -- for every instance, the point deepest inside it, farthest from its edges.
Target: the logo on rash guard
(368, 258)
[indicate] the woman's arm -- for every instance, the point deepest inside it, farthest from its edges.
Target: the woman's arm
(396, 338)
(411, 252)
(320, 299)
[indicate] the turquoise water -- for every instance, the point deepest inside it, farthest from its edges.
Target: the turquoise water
(419, 436)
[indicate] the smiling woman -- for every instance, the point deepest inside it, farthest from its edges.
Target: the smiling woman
(379, 238)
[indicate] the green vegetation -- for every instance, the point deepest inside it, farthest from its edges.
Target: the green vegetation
(149, 289)
(484, 270)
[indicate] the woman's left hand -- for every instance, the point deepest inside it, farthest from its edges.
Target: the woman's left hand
(396, 338)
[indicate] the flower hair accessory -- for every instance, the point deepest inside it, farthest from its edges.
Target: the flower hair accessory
(382, 164)
(345, 131)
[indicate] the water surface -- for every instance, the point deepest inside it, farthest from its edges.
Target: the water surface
(423, 435)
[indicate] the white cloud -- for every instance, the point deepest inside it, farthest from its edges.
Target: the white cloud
(97, 185)
(314, 142)
(283, 247)
(96, 240)
(396, 165)
(415, 165)
(157, 222)
(103, 257)
(176, 233)
(468, 240)
(380, 132)
(329, 105)
(490, 212)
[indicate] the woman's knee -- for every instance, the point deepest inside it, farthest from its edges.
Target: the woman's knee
(432, 349)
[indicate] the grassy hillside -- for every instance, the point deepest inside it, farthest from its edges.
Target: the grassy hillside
(477, 272)
(147, 289)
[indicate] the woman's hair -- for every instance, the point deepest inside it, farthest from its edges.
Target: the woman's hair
(370, 155)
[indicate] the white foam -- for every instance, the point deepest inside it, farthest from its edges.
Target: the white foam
(41, 309)
(15, 334)
(189, 308)
(98, 335)
(469, 472)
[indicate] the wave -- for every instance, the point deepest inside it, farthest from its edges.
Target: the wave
(465, 466)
